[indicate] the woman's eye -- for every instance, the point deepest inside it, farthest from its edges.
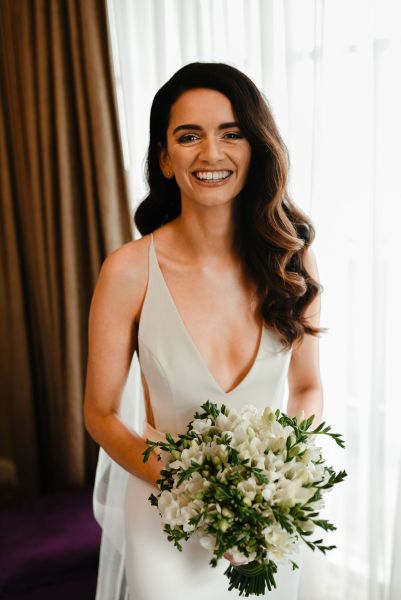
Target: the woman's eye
(186, 138)
(236, 135)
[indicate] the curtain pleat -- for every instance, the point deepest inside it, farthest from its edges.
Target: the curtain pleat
(64, 207)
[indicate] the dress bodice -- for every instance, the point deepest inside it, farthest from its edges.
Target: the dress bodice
(177, 376)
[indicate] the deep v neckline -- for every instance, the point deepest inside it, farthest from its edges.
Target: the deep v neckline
(198, 353)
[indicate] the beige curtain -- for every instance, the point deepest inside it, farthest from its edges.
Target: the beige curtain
(64, 207)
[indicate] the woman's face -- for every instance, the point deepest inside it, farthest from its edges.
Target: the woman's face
(206, 151)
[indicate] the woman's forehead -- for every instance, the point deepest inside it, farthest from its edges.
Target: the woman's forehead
(201, 106)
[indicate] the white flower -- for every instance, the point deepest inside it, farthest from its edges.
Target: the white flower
(219, 450)
(273, 464)
(313, 453)
(180, 494)
(304, 494)
(222, 422)
(244, 449)
(189, 511)
(249, 411)
(290, 492)
(194, 452)
(268, 416)
(268, 491)
(249, 414)
(307, 526)
(248, 488)
(239, 435)
(285, 493)
(165, 500)
(201, 426)
(196, 484)
(259, 462)
(169, 509)
(226, 423)
(221, 475)
(316, 473)
(301, 447)
(295, 470)
(176, 464)
(277, 436)
(281, 543)
(307, 456)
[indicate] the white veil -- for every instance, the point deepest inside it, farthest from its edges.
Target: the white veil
(109, 494)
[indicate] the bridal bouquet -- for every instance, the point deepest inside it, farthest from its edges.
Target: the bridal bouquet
(247, 484)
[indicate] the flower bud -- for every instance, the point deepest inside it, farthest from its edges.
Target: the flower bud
(259, 498)
(223, 525)
(293, 451)
(247, 501)
(224, 455)
(205, 473)
(226, 512)
(217, 460)
(251, 433)
(176, 454)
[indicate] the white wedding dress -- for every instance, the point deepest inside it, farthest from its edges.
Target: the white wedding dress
(179, 381)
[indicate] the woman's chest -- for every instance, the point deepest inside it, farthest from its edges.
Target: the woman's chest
(218, 311)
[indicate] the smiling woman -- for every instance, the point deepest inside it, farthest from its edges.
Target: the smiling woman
(210, 117)
(219, 299)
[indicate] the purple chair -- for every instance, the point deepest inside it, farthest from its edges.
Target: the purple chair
(49, 548)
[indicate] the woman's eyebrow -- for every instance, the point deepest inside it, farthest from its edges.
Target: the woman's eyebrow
(199, 128)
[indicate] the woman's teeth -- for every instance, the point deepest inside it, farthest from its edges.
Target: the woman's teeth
(212, 175)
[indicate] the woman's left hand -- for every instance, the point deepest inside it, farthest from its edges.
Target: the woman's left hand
(229, 557)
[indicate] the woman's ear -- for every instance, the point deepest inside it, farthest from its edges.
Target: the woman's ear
(164, 161)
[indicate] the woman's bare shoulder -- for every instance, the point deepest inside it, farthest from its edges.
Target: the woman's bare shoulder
(125, 272)
(132, 253)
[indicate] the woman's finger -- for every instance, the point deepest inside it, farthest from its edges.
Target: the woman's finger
(229, 557)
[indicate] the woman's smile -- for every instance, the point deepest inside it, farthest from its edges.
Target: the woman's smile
(212, 178)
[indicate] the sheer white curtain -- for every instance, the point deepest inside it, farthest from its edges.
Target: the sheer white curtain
(330, 70)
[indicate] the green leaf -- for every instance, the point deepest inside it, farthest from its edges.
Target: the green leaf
(188, 472)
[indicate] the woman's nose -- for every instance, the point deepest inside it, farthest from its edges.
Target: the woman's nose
(211, 150)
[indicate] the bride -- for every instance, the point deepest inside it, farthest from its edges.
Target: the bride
(219, 299)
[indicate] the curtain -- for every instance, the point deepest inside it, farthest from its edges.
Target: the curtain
(63, 208)
(329, 71)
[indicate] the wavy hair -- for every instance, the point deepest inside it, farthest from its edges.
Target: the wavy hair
(271, 234)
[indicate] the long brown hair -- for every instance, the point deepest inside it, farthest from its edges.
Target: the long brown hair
(271, 233)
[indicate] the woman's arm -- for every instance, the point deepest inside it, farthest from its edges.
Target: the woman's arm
(305, 386)
(112, 339)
